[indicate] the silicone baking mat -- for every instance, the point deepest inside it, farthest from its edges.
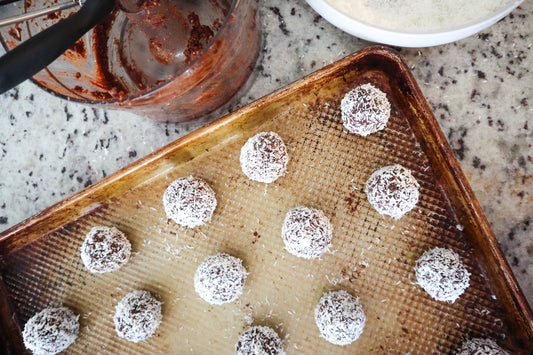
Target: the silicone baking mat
(372, 256)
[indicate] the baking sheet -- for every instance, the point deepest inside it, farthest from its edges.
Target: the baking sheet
(372, 256)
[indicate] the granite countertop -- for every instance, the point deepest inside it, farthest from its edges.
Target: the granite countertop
(480, 89)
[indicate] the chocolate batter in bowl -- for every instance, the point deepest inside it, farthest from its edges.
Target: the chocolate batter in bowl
(169, 60)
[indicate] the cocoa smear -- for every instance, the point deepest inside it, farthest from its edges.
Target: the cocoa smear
(159, 52)
(15, 32)
(200, 34)
(107, 81)
(150, 4)
(53, 16)
(156, 21)
(154, 24)
(111, 87)
(163, 24)
(135, 74)
(224, 6)
(79, 48)
(216, 25)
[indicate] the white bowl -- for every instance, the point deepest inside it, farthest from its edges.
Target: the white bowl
(378, 34)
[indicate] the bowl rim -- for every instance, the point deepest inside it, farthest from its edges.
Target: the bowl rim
(124, 102)
(382, 35)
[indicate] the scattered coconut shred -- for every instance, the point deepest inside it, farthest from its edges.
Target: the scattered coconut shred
(480, 346)
(417, 16)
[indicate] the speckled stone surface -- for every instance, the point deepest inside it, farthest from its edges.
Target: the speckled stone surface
(480, 89)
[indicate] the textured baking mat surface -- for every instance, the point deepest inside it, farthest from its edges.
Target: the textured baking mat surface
(371, 256)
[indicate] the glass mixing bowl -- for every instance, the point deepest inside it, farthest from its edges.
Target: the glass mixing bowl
(169, 60)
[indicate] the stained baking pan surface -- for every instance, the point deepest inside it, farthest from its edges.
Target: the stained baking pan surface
(372, 256)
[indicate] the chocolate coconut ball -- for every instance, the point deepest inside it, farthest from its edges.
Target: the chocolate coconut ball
(365, 110)
(105, 249)
(340, 317)
(259, 340)
(442, 274)
(51, 331)
(480, 346)
(189, 201)
(220, 279)
(392, 190)
(264, 157)
(137, 316)
(307, 232)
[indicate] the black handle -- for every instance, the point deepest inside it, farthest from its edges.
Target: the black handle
(27, 59)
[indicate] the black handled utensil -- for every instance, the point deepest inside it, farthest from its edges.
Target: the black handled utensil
(33, 55)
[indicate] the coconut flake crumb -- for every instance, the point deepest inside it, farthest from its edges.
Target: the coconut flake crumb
(442, 274)
(480, 346)
(248, 317)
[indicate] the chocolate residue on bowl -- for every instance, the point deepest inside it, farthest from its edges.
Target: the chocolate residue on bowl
(132, 58)
(200, 35)
(106, 79)
(16, 32)
(79, 48)
(158, 28)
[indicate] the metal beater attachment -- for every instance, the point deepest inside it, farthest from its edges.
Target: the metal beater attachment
(36, 13)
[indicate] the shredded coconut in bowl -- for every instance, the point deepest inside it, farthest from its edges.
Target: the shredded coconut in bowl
(480, 346)
(392, 190)
(189, 201)
(442, 274)
(365, 110)
(418, 16)
(259, 340)
(220, 279)
(51, 331)
(340, 317)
